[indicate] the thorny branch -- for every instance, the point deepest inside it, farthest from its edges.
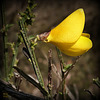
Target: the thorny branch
(7, 88)
(72, 66)
(49, 73)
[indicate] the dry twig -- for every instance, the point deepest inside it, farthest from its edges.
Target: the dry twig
(7, 88)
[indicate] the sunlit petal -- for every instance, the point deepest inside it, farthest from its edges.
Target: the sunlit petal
(80, 47)
(70, 29)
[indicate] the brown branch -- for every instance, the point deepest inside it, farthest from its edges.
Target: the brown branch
(49, 71)
(73, 65)
(7, 88)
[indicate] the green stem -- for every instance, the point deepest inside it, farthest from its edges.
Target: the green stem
(5, 39)
(61, 59)
(97, 82)
(5, 55)
(32, 56)
(14, 58)
(62, 67)
(66, 74)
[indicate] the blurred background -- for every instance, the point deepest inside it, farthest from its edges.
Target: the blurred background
(48, 14)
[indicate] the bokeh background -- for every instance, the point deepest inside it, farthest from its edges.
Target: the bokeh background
(48, 15)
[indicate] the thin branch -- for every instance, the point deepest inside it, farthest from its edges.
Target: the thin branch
(14, 58)
(93, 97)
(50, 74)
(56, 72)
(32, 81)
(7, 88)
(5, 39)
(61, 59)
(71, 96)
(76, 92)
(32, 56)
(62, 65)
(59, 76)
(17, 80)
(72, 66)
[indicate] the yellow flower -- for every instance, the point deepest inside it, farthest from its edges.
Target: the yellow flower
(68, 36)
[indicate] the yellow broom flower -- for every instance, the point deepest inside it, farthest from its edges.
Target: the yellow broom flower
(68, 36)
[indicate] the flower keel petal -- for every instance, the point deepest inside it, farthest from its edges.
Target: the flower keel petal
(80, 47)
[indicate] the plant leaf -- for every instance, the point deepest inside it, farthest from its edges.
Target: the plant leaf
(97, 82)
(67, 67)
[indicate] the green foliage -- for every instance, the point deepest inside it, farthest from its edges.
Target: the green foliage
(97, 82)
(6, 28)
(27, 15)
(12, 45)
(31, 37)
(66, 67)
(25, 20)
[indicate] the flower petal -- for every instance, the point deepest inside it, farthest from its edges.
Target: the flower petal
(80, 47)
(70, 29)
(86, 35)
